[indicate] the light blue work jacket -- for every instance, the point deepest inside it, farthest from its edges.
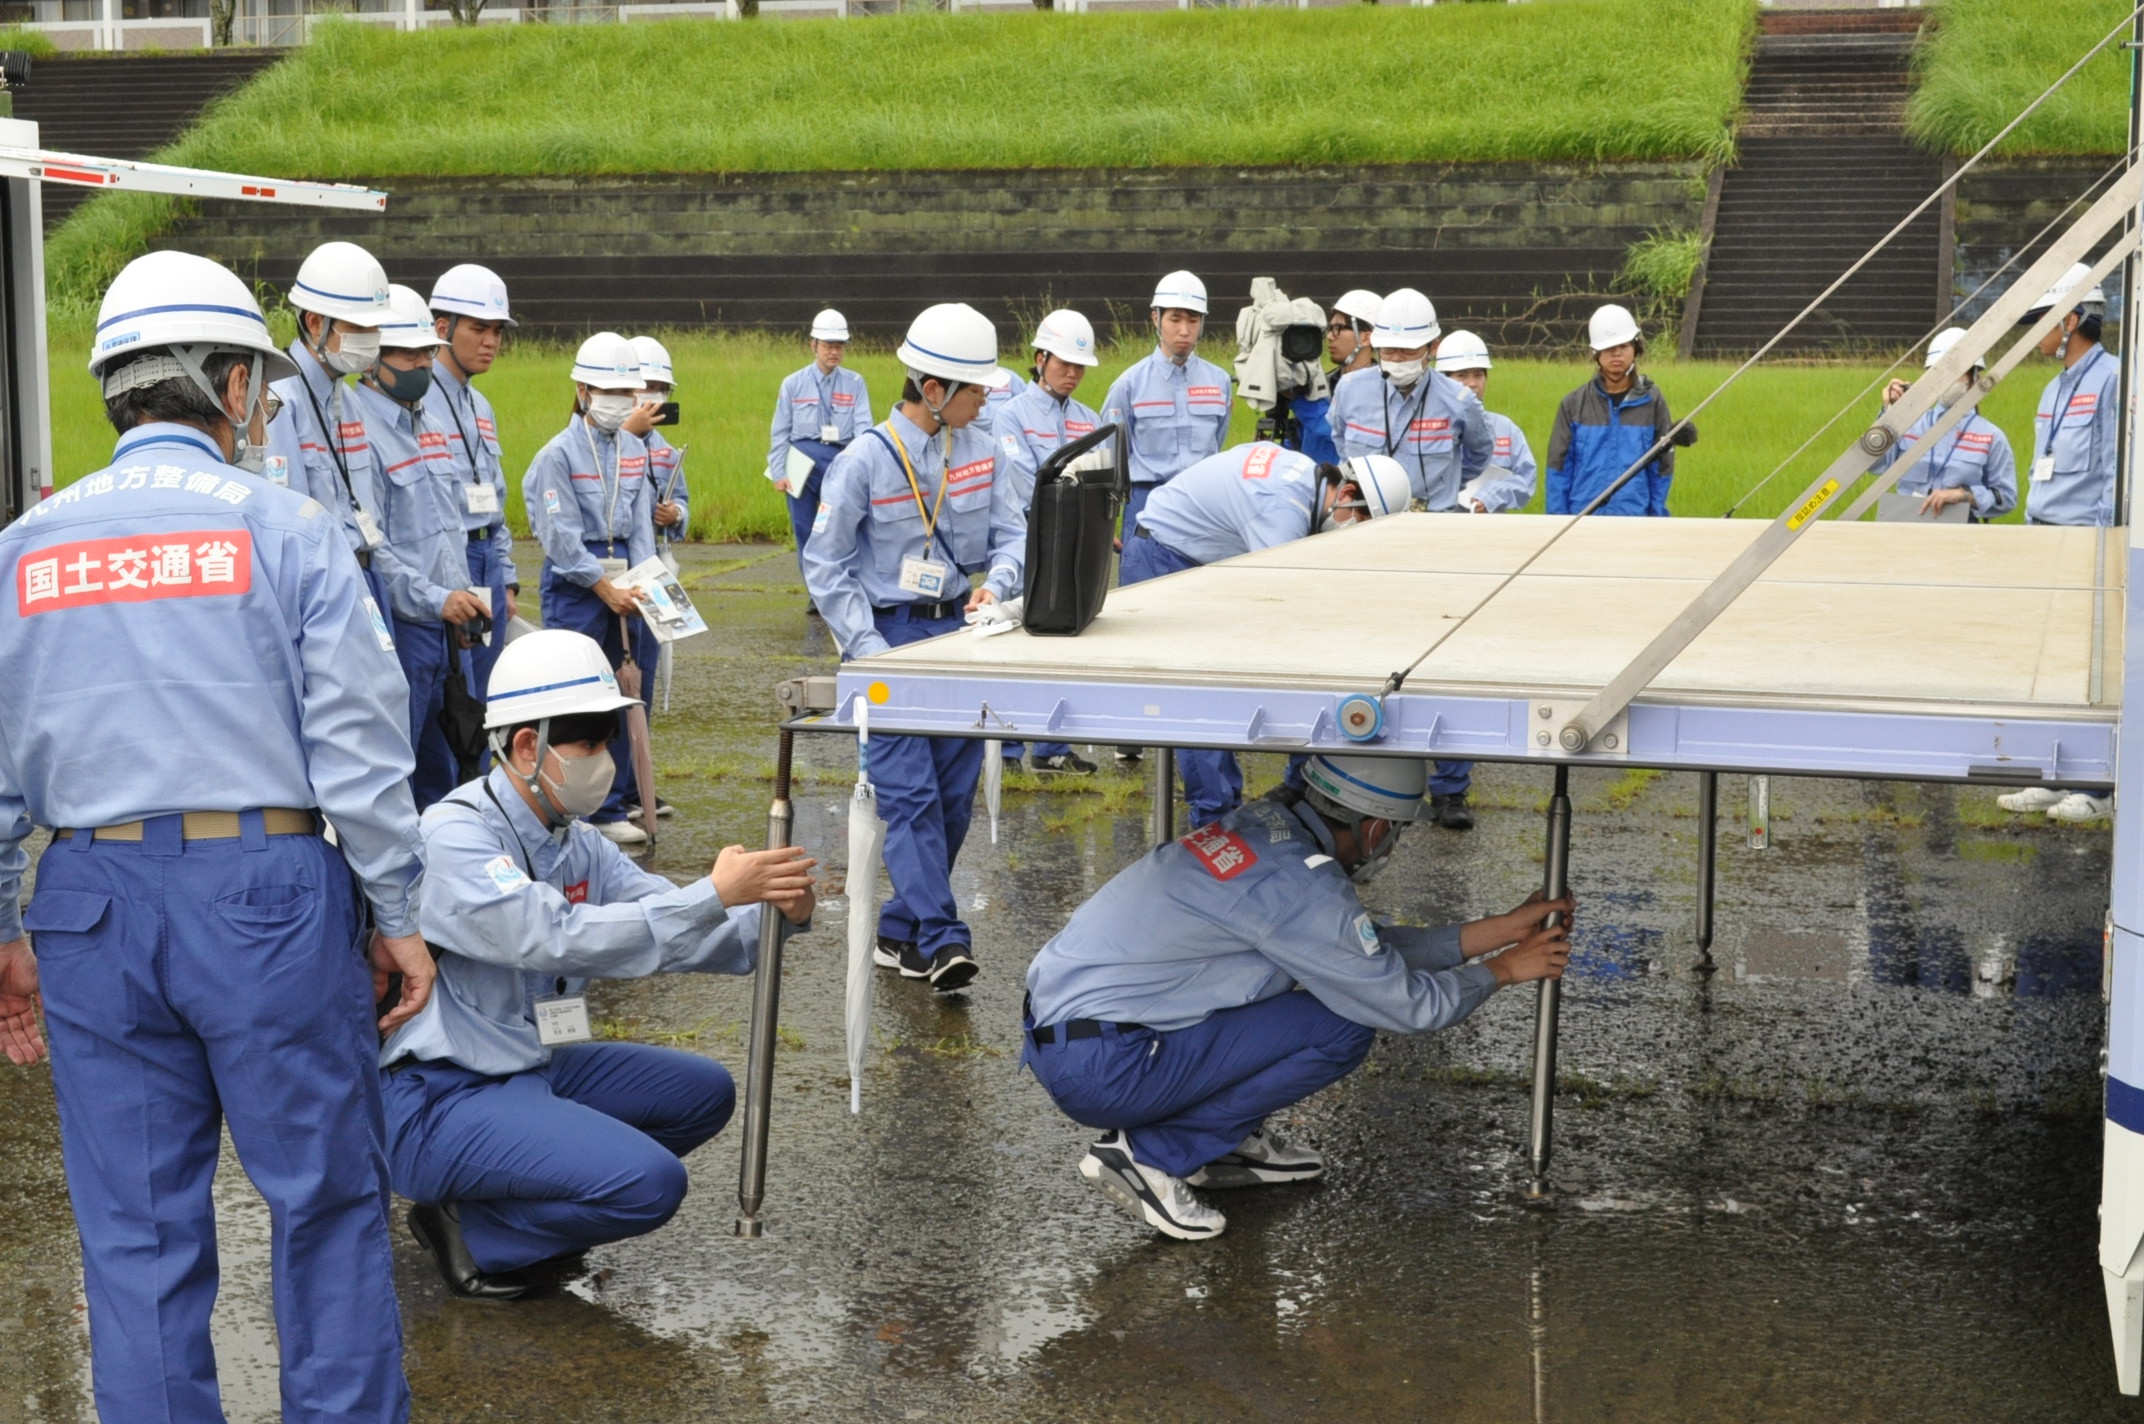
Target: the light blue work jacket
(459, 410)
(406, 476)
(809, 401)
(2076, 424)
(1173, 416)
(588, 486)
(1437, 431)
(1248, 497)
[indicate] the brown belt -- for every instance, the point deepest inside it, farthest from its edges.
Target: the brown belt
(217, 826)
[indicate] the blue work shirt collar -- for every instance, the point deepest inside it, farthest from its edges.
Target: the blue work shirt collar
(441, 371)
(540, 843)
(1314, 823)
(317, 376)
(165, 432)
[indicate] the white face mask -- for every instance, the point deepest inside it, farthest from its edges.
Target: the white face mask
(584, 782)
(1404, 373)
(607, 410)
(359, 352)
(1378, 859)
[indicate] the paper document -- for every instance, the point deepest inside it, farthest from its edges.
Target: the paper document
(1893, 507)
(669, 612)
(798, 469)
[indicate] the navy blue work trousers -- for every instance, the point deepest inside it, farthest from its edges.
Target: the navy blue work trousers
(926, 792)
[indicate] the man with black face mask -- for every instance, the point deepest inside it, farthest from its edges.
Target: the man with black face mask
(404, 471)
(521, 1141)
(1163, 1012)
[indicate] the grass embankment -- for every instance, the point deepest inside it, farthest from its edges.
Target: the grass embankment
(1545, 81)
(1987, 59)
(728, 382)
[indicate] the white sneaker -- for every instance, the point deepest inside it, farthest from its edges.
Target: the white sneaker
(1260, 1160)
(622, 832)
(1148, 1193)
(2081, 806)
(2032, 798)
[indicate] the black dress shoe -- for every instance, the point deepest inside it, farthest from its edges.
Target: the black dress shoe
(1452, 812)
(438, 1229)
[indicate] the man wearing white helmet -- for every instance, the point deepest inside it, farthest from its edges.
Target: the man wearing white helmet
(907, 515)
(212, 677)
(1030, 427)
(1508, 483)
(1426, 420)
(1244, 499)
(406, 474)
(819, 411)
(673, 501)
(1165, 1011)
(1611, 423)
(1972, 465)
(1174, 404)
(520, 1140)
(341, 298)
(591, 505)
(471, 315)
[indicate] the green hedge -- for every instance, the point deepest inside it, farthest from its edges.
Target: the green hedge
(1985, 60)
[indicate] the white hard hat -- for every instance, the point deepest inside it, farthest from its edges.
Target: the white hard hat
(954, 342)
(552, 672)
(654, 361)
(608, 362)
(1940, 344)
(342, 281)
(1068, 336)
(1383, 482)
(1463, 351)
(175, 299)
(408, 323)
(470, 290)
(1611, 325)
(2071, 294)
(1181, 291)
(1360, 305)
(1388, 787)
(1405, 320)
(830, 325)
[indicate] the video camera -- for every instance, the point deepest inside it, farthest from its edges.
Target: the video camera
(1280, 343)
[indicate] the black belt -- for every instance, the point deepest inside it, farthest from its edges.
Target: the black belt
(946, 609)
(1072, 1029)
(481, 536)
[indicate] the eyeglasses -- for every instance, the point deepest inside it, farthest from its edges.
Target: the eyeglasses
(1339, 328)
(271, 406)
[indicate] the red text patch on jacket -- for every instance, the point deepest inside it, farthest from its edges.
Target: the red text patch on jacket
(1225, 854)
(135, 569)
(576, 893)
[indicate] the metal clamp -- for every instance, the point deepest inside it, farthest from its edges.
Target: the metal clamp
(1550, 731)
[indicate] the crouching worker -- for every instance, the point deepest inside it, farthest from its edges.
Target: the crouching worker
(1163, 1014)
(520, 1140)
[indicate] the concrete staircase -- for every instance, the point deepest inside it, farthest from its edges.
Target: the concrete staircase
(1823, 172)
(125, 106)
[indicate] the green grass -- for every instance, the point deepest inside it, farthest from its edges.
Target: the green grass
(1988, 59)
(727, 384)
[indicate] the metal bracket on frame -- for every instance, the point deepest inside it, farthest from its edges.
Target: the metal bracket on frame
(1544, 719)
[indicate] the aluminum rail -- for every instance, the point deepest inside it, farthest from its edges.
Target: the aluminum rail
(80, 170)
(2113, 209)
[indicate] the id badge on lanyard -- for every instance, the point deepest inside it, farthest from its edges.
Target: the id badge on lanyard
(562, 1019)
(368, 528)
(480, 498)
(926, 577)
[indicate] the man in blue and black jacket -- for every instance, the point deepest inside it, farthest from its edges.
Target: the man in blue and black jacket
(1608, 424)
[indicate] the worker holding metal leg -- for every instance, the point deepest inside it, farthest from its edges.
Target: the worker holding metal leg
(520, 1140)
(211, 678)
(471, 316)
(2074, 450)
(819, 411)
(1164, 1013)
(906, 517)
(1248, 498)
(589, 505)
(1031, 427)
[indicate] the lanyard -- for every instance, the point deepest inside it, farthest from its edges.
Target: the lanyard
(476, 473)
(616, 483)
(930, 517)
(2062, 397)
(1421, 398)
(334, 440)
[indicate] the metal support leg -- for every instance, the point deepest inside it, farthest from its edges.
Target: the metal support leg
(1163, 822)
(1708, 855)
(766, 1006)
(1555, 879)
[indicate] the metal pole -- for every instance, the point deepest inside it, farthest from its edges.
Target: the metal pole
(1555, 878)
(2130, 274)
(766, 1005)
(1708, 854)
(1163, 822)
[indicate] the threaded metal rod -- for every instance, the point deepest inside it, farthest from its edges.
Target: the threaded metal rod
(766, 1009)
(1548, 998)
(1708, 855)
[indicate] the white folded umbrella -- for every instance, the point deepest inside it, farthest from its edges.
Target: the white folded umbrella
(867, 843)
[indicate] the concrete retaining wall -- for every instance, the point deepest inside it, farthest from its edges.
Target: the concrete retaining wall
(2001, 209)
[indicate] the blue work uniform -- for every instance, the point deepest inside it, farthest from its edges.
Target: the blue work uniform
(667, 484)
(1597, 437)
(459, 410)
(2073, 444)
(1509, 481)
(589, 499)
(547, 1151)
(1314, 429)
(1173, 417)
(406, 474)
(873, 517)
(819, 413)
(1437, 431)
(1246, 498)
(1029, 428)
(314, 445)
(1975, 457)
(1176, 985)
(200, 640)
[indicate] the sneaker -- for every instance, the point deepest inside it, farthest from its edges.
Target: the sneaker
(1130, 754)
(1065, 764)
(663, 810)
(2081, 806)
(1148, 1193)
(900, 954)
(622, 833)
(951, 969)
(1260, 1160)
(1451, 812)
(2032, 798)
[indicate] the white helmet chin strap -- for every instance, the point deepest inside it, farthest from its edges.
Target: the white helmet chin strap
(533, 777)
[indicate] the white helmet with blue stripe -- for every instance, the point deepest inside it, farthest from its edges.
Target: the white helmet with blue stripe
(1383, 482)
(408, 323)
(1180, 291)
(655, 364)
(608, 362)
(952, 341)
(472, 290)
(177, 307)
(343, 282)
(552, 672)
(1390, 788)
(1407, 321)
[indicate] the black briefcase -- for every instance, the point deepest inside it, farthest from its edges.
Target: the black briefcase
(1071, 533)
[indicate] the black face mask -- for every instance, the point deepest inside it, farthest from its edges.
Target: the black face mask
(408, 387)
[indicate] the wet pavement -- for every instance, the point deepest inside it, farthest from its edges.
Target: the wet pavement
(1851, 1176)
